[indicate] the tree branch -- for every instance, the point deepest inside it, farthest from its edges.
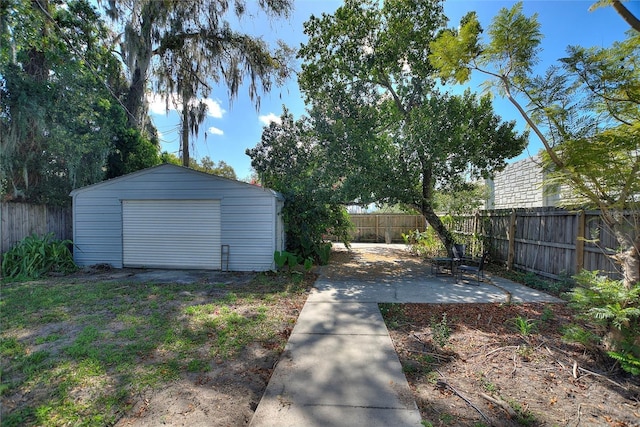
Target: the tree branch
(626, 14)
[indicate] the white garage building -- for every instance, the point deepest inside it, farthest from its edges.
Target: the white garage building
(168, 216)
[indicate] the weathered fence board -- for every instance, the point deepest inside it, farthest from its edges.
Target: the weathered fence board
(384, 227)
(19, 220)
(547, 241)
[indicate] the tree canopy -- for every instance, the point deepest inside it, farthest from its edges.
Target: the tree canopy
(61, 123)
(182, 48)
(291, 160)
(390, 134)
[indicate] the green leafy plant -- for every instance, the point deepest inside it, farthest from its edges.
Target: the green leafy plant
(324, 253)
(423, 243)
(441, 331)
(525, 326)
(616, 309)
(34, 256)
(578, 334)
(627, 360)
(308, 264)
(292, 260)
(280, 258)
(393, 314)
(547, 315)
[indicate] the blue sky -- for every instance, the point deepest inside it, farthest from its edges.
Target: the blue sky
(231, 128)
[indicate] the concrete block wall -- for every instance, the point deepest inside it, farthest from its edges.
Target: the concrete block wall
(520, 186)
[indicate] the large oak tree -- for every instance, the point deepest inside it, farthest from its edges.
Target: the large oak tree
(181, 49)
(390, 135)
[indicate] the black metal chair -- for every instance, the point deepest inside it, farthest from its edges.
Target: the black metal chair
(450, 262)
(477, 270)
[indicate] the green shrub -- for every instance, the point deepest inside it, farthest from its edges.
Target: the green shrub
(441, 331)
(423, 243)
(616, 309)
(34, 256)
(324, 252)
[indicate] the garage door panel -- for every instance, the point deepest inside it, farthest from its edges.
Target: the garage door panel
(171, 233)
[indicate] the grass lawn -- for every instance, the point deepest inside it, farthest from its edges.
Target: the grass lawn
(78, 352)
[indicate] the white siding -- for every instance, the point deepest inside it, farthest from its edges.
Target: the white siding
(248, 213)
(171, 233)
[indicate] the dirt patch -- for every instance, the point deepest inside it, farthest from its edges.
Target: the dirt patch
(363, 262)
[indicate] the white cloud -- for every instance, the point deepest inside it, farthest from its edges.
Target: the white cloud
(215, 131)
(269, 118)
(158, 105)
(214, 109)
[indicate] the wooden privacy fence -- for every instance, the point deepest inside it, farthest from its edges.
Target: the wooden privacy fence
(550, 242)
(19, 220)
(387, 228)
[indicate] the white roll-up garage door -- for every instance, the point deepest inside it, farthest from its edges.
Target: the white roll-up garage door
(171, 233)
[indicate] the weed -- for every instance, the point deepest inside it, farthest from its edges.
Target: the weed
(441, 331)
(432, 377)
(575, 333)
(10, 347)
(425, 243)
(525, 326)
(446, 418)
(393, 314)
(487, 385)
(554, 287)
(547, 315)
(19, 418)
(523, 417)
(197, 365)
(48, 338)
(83, 345)
(525, 351)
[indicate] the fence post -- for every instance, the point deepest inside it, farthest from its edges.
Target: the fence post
(479, 239)
(511, 235)
(580, 242)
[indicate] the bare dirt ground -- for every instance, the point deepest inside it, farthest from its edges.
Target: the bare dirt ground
(484, 371)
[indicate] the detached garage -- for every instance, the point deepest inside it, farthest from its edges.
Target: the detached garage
(174, 217)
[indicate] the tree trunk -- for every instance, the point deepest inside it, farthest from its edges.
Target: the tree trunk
(134, 100)
(626, 14)
(142, 47)
(627, 235)
(184, 135)
(434, 220)
(426, 206)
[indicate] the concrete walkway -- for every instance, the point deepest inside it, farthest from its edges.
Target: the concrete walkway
(339, 367)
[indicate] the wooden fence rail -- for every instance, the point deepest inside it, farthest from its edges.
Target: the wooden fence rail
(19, 220)
(550, 242)
(384, 227)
